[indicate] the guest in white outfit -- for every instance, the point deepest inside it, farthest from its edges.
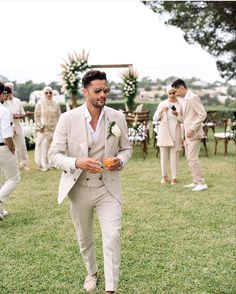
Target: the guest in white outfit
(194, 114)
(18, 113)
(8, 157)
(46, 115)
(83, 138)
(169, 112)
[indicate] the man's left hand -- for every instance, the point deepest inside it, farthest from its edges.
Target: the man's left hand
(115, 164)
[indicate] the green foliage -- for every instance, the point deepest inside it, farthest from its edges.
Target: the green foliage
(23, 90)
(211, 24)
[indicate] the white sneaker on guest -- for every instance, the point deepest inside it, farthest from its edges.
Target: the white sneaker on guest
(90, 282)
(200, 187)
(192, 185)
(5, 212)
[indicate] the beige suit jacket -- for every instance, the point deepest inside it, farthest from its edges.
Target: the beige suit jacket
(193, 116)
(164, 137)
(70, 143)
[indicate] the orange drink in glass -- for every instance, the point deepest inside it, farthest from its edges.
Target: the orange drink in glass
(108, 161)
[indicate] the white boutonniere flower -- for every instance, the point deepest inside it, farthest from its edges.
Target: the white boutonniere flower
(113, 130)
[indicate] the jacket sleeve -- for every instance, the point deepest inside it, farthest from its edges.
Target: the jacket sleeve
(199, 111)
(57, 154)
(125, 147)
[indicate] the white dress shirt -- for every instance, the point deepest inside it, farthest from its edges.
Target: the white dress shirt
(5, 123)
(88, 118)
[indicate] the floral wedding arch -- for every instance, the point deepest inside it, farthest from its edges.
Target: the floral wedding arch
(77, 64)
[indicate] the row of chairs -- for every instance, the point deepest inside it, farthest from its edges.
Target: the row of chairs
(138, 131)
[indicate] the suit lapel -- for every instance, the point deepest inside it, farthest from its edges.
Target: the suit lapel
(108, 141)
(81, 131)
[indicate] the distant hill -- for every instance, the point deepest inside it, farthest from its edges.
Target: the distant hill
(3, 79)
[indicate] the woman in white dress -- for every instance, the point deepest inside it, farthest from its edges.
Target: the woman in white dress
(46, 116)
(169, 112)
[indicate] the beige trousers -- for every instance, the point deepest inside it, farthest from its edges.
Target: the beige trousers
(41, 150)
(83, 201)
(19, 140)
(10, 171)
(192, 149)
(166, 154)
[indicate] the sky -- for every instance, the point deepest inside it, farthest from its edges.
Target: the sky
(37, 35)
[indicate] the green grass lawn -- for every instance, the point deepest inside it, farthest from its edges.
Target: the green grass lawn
(173, 240)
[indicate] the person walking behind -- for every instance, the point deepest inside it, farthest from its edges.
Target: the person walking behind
(194, 114)
(83, 139)
(46, 115)
(18, 113)
(8, 158)
(169, 112)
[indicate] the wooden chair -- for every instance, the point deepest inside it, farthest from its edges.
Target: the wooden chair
(210, 121)
(204, 139)
(156, 125)
(223, 136)
(138, 129)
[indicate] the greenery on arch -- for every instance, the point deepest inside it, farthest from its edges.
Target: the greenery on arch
(130, 87)
(72, 70)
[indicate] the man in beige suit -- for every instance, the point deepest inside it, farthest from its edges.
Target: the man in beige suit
(18, 113)
(83, 138)
(194, 114)
(8, 158)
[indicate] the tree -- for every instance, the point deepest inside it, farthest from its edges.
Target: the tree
(212, 24)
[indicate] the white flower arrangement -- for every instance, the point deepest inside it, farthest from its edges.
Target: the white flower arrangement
(114, 130)
(130, 79)
(76, 64)
(29, 129)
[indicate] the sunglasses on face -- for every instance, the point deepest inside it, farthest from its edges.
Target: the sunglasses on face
(172, 93)
(48, 93)
(99, 90)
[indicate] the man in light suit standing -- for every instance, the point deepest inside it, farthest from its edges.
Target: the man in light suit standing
(83, 138)
(194, 114)
(18, 113)
(8, 158)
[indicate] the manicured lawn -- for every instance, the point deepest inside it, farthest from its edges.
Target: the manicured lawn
(173, 240)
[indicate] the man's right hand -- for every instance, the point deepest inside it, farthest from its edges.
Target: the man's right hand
(89, 164)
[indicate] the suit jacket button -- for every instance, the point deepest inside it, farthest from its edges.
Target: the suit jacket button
(75, 180)
(100, 178)
(87, 179)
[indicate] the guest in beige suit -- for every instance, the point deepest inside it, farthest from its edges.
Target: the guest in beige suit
(169, 112)
(194, 114)
(46, 115)
(83, 138)
(18, 113)
(8, 158)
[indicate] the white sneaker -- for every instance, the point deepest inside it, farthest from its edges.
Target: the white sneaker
(90, 282)
(200, 187)
(192, 185)
(5, 212)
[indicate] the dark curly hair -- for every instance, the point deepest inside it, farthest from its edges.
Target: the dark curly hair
(93, 75)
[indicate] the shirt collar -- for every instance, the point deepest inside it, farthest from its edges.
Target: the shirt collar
(88, 115)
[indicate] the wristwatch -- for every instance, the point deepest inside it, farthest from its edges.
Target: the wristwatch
(120, 165)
